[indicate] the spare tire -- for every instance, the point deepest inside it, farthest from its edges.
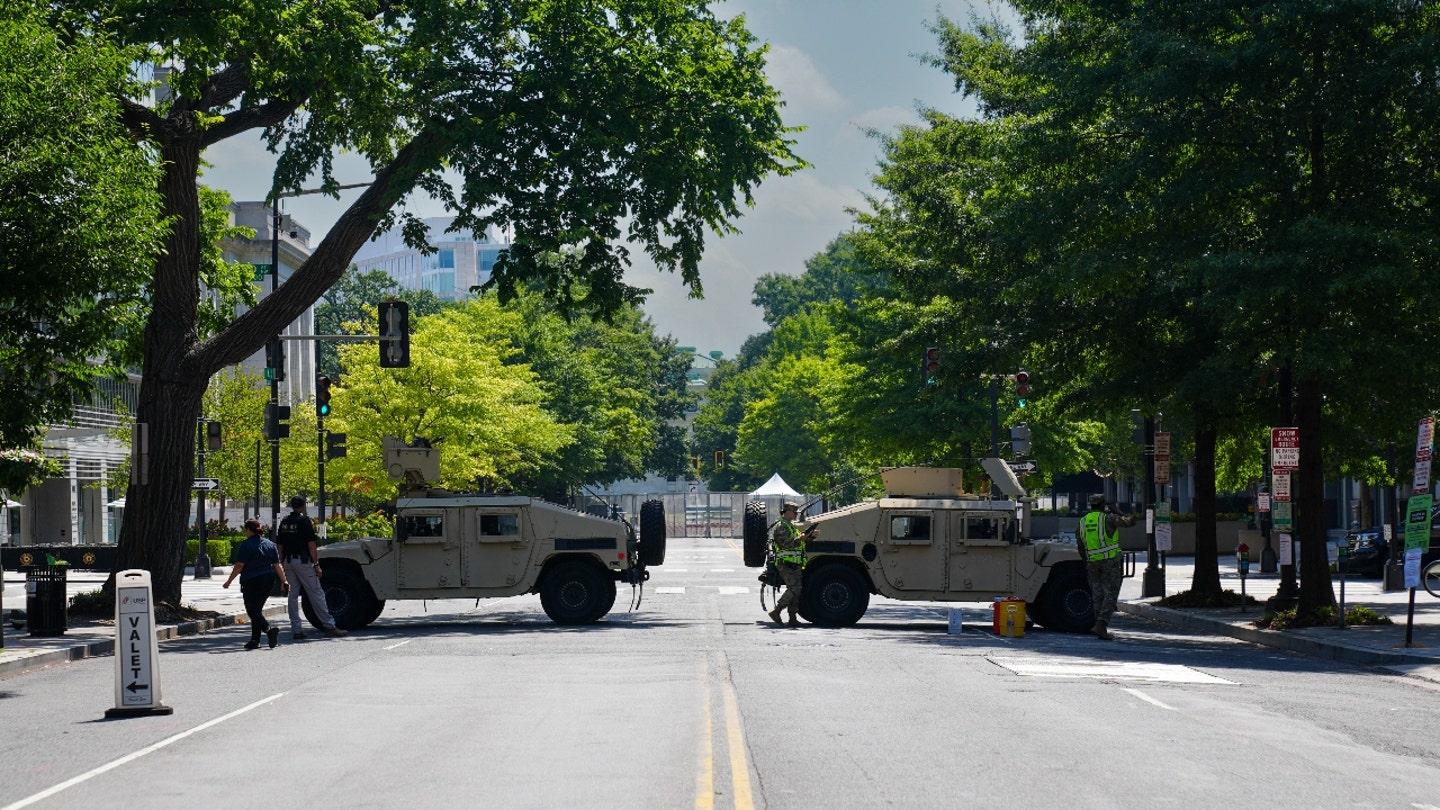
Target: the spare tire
(754, 534)
(652, 533)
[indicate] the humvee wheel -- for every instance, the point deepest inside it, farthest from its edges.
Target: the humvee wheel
(753, 533)
(575, 592)
(1065, 602)
(351, 602)
(652, 533)
(835, 595)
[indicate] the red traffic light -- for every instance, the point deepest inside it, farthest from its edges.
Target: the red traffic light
(932, 359)
(1022, 383)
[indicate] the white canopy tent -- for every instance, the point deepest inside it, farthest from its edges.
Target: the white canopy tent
(774, 493)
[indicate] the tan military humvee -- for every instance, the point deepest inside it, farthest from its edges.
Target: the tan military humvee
(927, 540)
(448, 545)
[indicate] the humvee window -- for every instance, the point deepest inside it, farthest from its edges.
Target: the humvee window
(910, 527)
(499, 525)
(425, 526)
(982, 528)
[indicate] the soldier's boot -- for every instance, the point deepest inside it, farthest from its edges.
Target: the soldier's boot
(775, 617)
(1102, 631)
(794, 622)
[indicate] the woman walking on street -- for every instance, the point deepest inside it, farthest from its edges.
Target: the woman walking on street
(257, 563)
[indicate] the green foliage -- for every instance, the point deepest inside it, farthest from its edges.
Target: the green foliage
(1324, 616)
(220, 548)
(91, 604)
(465, 389)
(374, 524)
(20, 469)
(1193, 599)
(80, 221)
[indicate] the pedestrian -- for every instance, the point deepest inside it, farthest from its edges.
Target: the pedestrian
(257, 564)
(789, 550)
(299, 549)
(1099, 541)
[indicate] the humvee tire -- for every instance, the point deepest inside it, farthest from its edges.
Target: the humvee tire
(652, 533)
(1064, 602)
(576, 592)
(753, 534)
(351, 602)
(834, 595)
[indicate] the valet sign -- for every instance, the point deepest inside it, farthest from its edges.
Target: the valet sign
(137, 671)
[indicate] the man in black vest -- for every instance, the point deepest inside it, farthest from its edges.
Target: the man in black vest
(301, 556)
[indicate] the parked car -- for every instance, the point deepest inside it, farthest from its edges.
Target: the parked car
(1368, 552)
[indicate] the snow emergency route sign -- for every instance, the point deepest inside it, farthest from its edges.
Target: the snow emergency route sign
(1285, 448)
(137, 674)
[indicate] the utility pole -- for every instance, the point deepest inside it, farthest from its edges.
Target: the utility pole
(1153, 583)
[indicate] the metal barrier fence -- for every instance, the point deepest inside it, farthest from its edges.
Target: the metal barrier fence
(713, 514)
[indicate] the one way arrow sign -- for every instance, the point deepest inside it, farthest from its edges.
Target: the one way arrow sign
(206, 483)
(1026, 466)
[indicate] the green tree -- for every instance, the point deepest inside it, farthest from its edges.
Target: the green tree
(599, 124)
(79, 225)
(467, 391)
(1166, 202)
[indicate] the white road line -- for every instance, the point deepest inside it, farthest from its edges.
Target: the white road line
(733, 590)
(1137, 693)
(91, 774)
(722, 570)
(401, 644)
(669, 590)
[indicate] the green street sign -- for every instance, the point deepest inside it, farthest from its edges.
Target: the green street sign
(261, 271)
(1417, 521)
(1280, 515)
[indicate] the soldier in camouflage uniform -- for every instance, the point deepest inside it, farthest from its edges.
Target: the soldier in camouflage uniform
(1099, 541)
(789, 545)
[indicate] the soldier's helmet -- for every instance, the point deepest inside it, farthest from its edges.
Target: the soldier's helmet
(1097, 500)
(789, 505)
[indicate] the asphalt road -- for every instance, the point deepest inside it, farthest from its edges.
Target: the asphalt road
(696, 701)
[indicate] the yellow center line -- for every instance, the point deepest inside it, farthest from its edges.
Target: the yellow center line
(705, 767)
(735, 741)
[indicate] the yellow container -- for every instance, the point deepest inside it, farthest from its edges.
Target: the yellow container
(1010, 617)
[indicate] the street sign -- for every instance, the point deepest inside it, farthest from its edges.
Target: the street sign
(205, 483)
(1285, 448)
(1424, 438)
(1162, 458)
(1162, 444)
(1026, 466)
(1282, 515)
(1281, 480)
(137, 670)
(1262, 502)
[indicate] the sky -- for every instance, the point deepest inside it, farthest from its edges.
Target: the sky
(842, 67)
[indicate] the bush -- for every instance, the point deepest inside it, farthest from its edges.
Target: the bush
(219, 548)
(1190, 599)
(1324, 617)
(375, 524)
(91, 603)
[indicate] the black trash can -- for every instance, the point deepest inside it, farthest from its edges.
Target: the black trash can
(45, 600)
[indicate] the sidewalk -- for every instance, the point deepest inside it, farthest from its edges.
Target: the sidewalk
(23, 652)
(1364, 645)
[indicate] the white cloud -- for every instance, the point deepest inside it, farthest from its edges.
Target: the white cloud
(804, 88)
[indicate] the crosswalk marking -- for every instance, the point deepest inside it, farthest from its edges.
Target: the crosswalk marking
(730, 590)
(723, 590)
(1103, 670)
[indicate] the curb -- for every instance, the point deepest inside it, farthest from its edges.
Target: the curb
(106, 646)
(1269, 638)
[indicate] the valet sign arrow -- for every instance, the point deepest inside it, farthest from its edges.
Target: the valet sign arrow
(137, 673)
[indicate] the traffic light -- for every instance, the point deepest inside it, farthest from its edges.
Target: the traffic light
(277, 421)
(213, 441)
(696, 461)
(719, 459)
(322, 396)
(931, 365)
(394, 334)
(1022, 387)
(334, 445)
(1020, 439)
(275, 360)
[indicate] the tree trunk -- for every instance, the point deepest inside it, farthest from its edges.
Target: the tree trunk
(1206, 578)
(1315, 588)
(153, 534)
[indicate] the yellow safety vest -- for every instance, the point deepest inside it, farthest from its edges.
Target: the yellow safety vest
(796, 553)
(1092, 526)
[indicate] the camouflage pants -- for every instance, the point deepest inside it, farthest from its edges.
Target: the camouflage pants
(792, 574)
(1105, 577)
